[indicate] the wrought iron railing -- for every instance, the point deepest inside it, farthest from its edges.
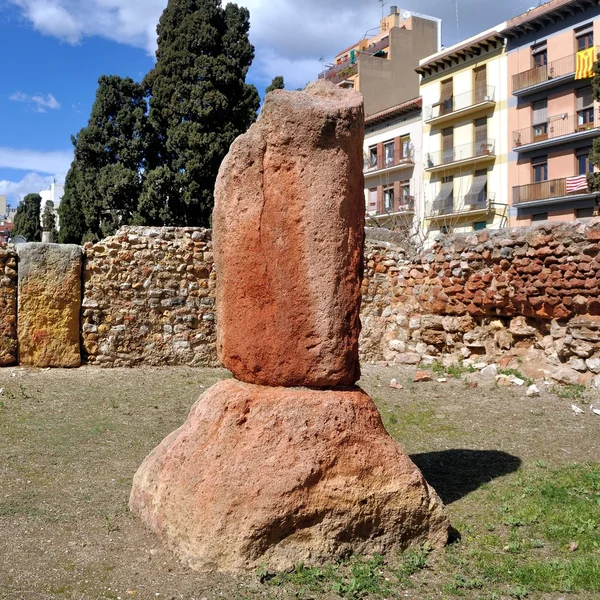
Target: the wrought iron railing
(557, 68)
(461, 206)
(555, 127)
(475, 149)
(544, 190)
(474, 97)
(390, 161)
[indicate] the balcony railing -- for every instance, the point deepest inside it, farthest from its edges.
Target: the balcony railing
(348, 68)
(460, 102)
(404, 204)
(544, 190)
(556, 127)
(390, 162)
(553, 70)
(472, 150)
(461, 206)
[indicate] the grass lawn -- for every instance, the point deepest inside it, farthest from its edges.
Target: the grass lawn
(520, 477)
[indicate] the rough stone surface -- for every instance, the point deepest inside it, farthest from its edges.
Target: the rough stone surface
(499, 294)
(149, 298)
(8, 305)
(49, 300)
(272, 476)
(288, 229)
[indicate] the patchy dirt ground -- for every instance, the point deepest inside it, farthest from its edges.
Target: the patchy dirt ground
(70, 442)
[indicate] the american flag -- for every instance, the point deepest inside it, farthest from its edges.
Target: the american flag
(577, 183)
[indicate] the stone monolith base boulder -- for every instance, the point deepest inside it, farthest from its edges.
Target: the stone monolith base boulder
(49, 301)
(272, 476)
(288, 228)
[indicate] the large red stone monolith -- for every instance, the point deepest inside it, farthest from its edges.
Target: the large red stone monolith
(263, 473)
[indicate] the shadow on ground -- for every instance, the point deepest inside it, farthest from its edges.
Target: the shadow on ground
(456, 473)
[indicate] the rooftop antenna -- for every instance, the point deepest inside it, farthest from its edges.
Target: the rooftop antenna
(382, 2)
(455, 2)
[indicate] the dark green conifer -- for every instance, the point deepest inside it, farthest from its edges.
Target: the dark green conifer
(27, 218)
(199, 103)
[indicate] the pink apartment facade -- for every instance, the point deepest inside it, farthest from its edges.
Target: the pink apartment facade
(552, 116)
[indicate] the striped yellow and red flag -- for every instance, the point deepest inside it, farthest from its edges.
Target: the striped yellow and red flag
(584, 63)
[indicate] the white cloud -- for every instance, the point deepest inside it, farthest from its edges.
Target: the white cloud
(289, 36)
(32, 183)
(41, 103)
(57, 161)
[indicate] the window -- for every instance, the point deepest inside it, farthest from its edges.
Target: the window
(372, 157)
(539, 54)
(405, 145)
(540, 120)
(372, 206)
(388, 198)
(446, 97)
(585, 109)
(540, 169)
(479, 84)
(479, 225)
(447, 145)
(405, 200)
(584, 164)
(539, 217)
(584, 37)
(388, 153)
(445, 229)
(584, 213)
(444, 201)
(477, 195)
(481, 145)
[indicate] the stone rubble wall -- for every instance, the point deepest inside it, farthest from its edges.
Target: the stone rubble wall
(8, 305)
(488, 293)
(149, 298)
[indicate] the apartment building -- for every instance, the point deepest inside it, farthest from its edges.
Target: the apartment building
(553, 117)
(382, 65)
(393, 159)
(465, 152)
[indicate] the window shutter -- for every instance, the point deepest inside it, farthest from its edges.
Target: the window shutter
(540, 112)
(585, 98)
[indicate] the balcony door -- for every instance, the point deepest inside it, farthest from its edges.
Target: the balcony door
(540, 120)
(447, 145)
(479, 84)
(447, 97)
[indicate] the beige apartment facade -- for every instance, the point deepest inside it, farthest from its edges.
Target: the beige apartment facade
(553, 117)
(392, 167)
(465, 151)
(382, 65)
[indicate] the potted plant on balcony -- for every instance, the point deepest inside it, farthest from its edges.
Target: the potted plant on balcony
(518, 139)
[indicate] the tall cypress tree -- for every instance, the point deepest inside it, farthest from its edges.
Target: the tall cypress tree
(104, 182)
(27, 218)
(199, 103)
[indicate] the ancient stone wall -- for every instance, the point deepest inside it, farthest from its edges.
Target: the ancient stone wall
(488, 293)
(8, 305)
(149, 298)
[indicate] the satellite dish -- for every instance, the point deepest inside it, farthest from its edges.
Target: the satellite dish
(18, 239)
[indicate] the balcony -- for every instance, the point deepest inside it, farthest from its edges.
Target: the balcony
(462, 105)
(540, 78)
(559, 129)
(466, 154)
(404, 205)
(470, 206)
(391, 164)
(349, 68)
(547, 192)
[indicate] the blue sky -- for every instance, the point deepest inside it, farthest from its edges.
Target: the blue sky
(54, 51)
